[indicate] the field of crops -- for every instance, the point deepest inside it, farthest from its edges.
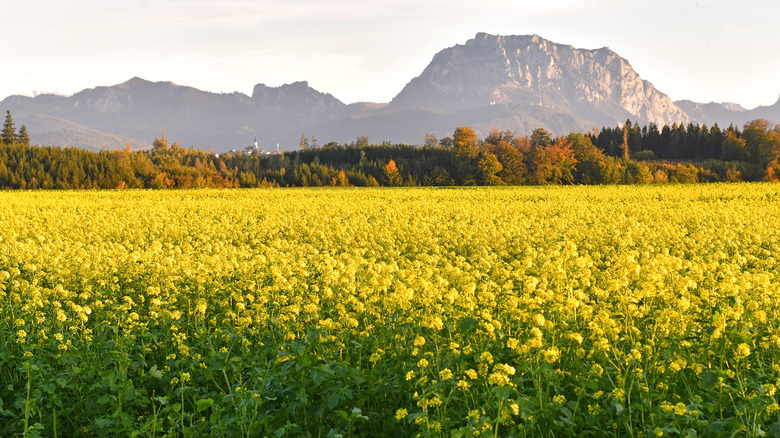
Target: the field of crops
(600, 311)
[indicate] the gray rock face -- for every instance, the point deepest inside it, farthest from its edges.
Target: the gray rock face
(529, 70)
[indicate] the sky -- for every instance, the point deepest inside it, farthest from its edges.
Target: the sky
(363, 50)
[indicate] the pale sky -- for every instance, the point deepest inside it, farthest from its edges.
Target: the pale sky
(363, 50)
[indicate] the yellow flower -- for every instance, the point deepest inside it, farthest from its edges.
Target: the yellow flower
(743, 351)
(680, 409)
(551, 355)
(401, 414)
(471, 374)
(422, 363)
(445, 374)
(576, 337)
(419, 341)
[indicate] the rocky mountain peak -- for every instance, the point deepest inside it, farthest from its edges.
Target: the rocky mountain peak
(530, 70)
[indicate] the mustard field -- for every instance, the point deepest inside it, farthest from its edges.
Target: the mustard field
(535, 311)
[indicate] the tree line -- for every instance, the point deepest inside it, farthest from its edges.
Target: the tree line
(621, 155)
(756, 143)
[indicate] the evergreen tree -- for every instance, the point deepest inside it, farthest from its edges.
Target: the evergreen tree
(23, 137)
(9, 133)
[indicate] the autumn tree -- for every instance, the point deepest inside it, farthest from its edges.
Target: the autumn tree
(593, 167)
(553, 163)
(540, 137)
(390, 175)
(506, 148)
(624, 146)
(160, 144)
(762, 141)
(465, 147)
(431, 140)
(489, 166)
(362, 141)
(733, 148)
(304, 143)
(341, 180)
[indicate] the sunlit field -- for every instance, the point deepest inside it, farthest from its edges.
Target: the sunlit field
(537, 311)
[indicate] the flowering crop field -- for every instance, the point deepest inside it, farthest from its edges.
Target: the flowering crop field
(600, 311)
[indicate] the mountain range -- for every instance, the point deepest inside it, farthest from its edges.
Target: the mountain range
(518, 83)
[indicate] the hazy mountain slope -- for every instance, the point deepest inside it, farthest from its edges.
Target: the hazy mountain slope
(50, 130)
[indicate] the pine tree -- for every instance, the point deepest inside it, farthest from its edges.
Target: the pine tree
(23, 137)
(9, 133)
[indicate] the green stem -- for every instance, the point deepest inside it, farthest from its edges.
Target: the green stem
(54, 420)
(27, 403)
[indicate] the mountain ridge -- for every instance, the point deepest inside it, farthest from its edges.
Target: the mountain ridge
(515, 82)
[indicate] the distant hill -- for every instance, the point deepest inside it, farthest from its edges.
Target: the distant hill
(492, 81)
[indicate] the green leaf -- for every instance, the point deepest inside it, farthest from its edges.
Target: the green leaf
(717, 427)
(711, 379)
(154, 372)
(203, 404)
(104, 422)
(502, 392)
(333, 401)
(467, 324)
(317, 377)
(302, 397)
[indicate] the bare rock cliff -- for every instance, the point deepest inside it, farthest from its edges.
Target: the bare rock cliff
(530, 70)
